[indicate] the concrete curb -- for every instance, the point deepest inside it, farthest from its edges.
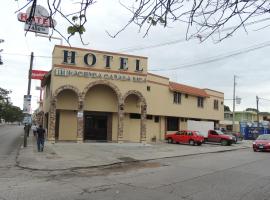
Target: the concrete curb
(18, 164)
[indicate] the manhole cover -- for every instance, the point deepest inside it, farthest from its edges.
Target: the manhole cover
(127, 159)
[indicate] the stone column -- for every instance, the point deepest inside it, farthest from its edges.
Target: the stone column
(143, 123)
(121, 114)
(80, 123)
(52, 119)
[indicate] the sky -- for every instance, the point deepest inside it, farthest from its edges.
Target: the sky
(164, 47)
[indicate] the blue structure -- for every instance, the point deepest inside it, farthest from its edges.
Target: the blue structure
(251, 132)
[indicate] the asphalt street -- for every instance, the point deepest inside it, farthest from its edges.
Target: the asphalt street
(232, 175)
(10, 141)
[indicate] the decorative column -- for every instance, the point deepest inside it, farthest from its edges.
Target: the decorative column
(80, 122)
(52, 119)
(143, 123)
(121, 114)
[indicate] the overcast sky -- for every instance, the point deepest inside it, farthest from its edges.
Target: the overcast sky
(251, 68)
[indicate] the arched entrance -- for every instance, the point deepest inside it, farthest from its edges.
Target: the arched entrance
(135, 105)
(65, 104)
(100, 111)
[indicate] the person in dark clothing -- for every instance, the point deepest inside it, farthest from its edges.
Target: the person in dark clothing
(40, 133)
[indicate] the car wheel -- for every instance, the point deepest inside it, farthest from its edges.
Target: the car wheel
(199, 143)
(170, 140)
(191, 142)
(255, 150)
(224, 142)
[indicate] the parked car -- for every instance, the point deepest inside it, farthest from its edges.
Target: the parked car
(262, 143)
(217, 136)
(234, 138)
(237, 136)
(185, 137)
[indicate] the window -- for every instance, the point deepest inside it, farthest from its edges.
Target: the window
(172, 124)
(134, 116)
(177, 97)
(200, 102)
(221, 102)
(149, 117)
(148, 88)
(186, 95)
(156, 119)
(215, 104)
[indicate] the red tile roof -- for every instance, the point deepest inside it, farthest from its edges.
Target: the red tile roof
(187, 89)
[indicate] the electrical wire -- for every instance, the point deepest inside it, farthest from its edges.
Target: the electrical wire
(138, 48)
(216, 58)
(188, 65)
(264, 99)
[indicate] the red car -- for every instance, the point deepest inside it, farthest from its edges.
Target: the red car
(262, 143)
(186, 137)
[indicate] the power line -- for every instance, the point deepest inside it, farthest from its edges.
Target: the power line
(138, 48)
(217, 58)
(188, 65)
(264, 99)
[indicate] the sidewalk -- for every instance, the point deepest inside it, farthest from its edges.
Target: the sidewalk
(62, 156)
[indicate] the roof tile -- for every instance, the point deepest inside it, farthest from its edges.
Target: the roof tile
(188, 89)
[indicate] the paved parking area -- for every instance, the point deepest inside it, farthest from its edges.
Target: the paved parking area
(73, 155)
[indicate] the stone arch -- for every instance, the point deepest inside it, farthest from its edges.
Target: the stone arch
(103, 82)
(116, 90)
(66, 87)
(52, 118)
(137, 93)
(143, 112)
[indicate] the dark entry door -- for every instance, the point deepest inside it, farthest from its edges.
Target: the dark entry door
(95, 127)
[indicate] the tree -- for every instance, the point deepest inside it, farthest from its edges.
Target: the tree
(252, 109)
(4, 93)
(8, 112)
(203, 18)
(227, 108)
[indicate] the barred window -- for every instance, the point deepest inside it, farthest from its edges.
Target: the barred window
(216, 104)
(200, 102)
(177, 97)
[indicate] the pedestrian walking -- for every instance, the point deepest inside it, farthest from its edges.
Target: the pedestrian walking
(34, 129)
(40, 134)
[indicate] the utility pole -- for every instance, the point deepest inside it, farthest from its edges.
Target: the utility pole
(27, 127)
(234, 83)
(257, 102)
(30, 73)
(1, 62)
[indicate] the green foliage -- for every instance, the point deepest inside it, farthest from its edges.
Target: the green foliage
(76, 29)
(74, 18)
(251, 109)
(155, 20)
(227, 108)
(8, 112)
(4, 93)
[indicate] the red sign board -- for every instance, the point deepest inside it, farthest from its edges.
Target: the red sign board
(38, 74)
(42, 21)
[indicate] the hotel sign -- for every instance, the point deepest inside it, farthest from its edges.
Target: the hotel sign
(90, 60)
(40, 23)
(98, 75)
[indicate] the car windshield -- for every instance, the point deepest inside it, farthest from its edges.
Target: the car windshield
(219, 132)
(264, 137)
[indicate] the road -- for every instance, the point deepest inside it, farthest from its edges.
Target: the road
(10, 140)
(234, 175)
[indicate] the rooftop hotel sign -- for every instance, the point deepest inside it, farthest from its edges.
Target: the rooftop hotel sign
(41, 21)
(90, 60)
(98, 75)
